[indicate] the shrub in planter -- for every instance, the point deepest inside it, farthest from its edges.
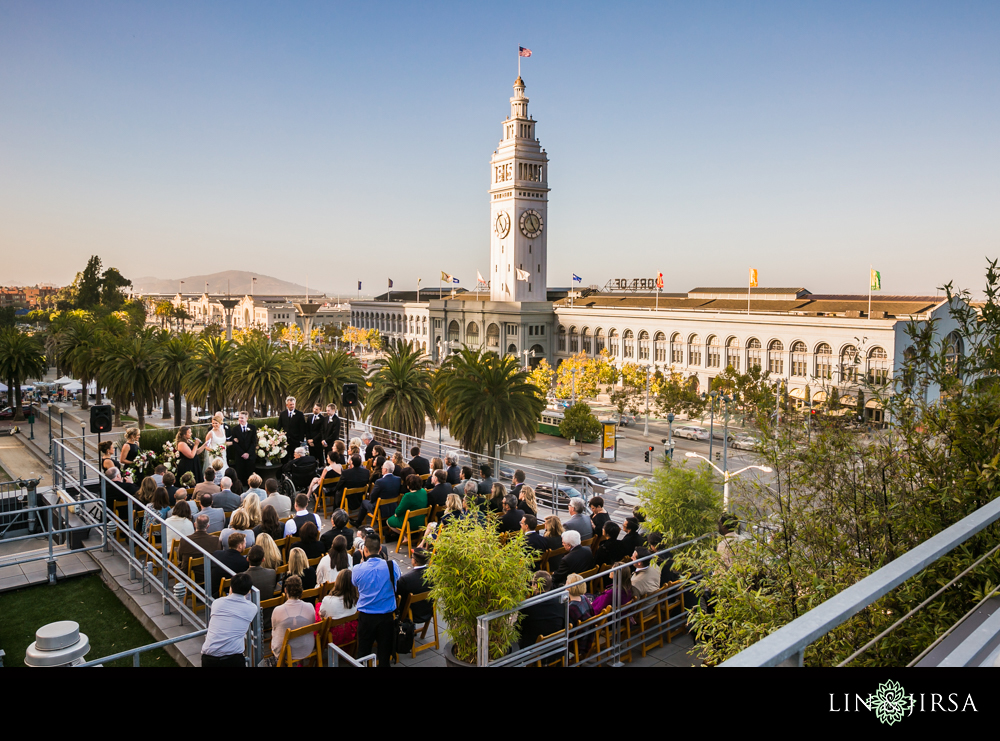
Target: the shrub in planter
(472, 574)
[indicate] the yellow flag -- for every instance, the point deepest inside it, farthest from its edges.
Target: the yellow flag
(753, 277)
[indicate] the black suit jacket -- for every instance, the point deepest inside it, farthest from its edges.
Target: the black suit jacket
(439, 495)
(314, 429)
(294, 427)
(577, 560)
(352, 478)
(454, 475)
(541, 620)
(420, 465)
(511, 521)
(234, 560)
(243, 442)
(416, 582)
(331, 431)
(386, 487)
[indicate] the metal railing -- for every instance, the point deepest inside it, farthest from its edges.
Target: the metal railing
(335, 654)
(136, 653)
(787, 645)
(620, 639)
(15, 517)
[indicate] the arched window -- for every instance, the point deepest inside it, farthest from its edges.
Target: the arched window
(453, 331)
(512, 349)
(714, 352)
(561, 345)
(585, 336)
(733, 353)
(660, 347)
(598, 341)
(613, 343)
(800, 359)
(753, 353)
(574, 340)
(824, 361)
(849, 364)
(493, 336)
(424, 329)
(472, 335)
(676, 349)
(776, 358)
(628, 344)
(878, 366)
(643, 345)
(694, 350)
(954, 351)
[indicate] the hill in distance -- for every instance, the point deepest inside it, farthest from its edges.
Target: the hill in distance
(237, 282)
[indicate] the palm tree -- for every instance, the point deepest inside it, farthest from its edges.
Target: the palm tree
(401, 398)
(172, 362)
(490, 399)
(21, 357)
(319, 377)
(258, 375)
(130, 373)
(211, 370)
(82, 353)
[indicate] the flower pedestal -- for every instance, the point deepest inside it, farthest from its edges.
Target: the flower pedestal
(268, 471)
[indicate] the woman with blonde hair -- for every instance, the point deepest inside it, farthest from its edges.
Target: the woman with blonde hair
(298, 565)
(272, 556)
(251, 505)
(397, 461)
(553, 532)
(527, 501)
(130, 448)
(146, 490)
(254, 484)
(238, 523)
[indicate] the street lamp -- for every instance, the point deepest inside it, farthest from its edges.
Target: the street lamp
(726, 475)
(527, 354)
(500, 447)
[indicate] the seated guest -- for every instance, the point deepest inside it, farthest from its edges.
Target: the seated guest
(273, 557)
(263, 578)
(340, 603)
(579, 521)
(160, 507)
(179, 523)
(624, 590)
(517, 483)
(532, 537)
(437, 463)
(302, 516)
(553, 532)
(270, 524)
(416, 583)
(526, 500)
(387, 487)
(632, 538)
(356, 477)
(544, 618)
(407, 472)
(420, 465)
(416, 498)
(610, 550)
(512, 516)
(439, 494)
(226, 499)
(579, 607)
(170, 484)
(293, 613)
(234, 482)
(597, 514)
(578, 558)
(238, 523)
(208, 485)
(301, 468)
(466, 474)
(452, 509)
(187, 480)
(216, 517)
(473, 503)
(182, 496)
(254, 482)
(232, 557)
(429, 536)
(454, 472)
(200, 538)
(298, 565)
(664, 559)
(251, 505)
(397, 464)
(158, 474)
(329, 475)
(646, 578)
(486, 484)
(334, 561)
(218, 466)
(339, 522)
(281, 504)
(497, 495)
(309, 534)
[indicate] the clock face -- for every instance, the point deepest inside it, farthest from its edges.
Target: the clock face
(502, 225)
(531, 223)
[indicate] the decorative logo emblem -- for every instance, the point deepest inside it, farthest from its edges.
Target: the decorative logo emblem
(891, 703)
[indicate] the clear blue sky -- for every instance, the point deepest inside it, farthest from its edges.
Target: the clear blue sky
(342, 142)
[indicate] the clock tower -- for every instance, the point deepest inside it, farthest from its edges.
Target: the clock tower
(518, 208)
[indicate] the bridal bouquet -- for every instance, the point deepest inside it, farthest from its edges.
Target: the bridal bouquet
(171, 456)
(271, 445)
(215, 450)
(143, 465)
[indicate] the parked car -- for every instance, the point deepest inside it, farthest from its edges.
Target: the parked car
(580, 472)
(691, 432)
(543, 493)
(8, 412)
(744, 442)
(627, 494)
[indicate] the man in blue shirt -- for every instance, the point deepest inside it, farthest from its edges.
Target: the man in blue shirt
(375, 579)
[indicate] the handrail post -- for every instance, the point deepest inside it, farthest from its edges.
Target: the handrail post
(130, 529)
(83, 456)
(104, 512)
(565, 597)
(208, 589)
(616, 608)
(257, 645)
(482, 641)
(51, 562)
(164, 576)
(32, 503)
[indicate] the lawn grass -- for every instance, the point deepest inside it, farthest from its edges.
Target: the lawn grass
(108, 624)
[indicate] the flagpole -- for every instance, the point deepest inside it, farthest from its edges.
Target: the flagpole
(749, 281)
(870, 292)
(518, 60)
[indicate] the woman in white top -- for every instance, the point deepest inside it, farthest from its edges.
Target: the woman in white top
(342, 602)
(333, 562)
(215, 442)
(179, 523)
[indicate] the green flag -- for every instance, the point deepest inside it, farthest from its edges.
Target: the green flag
(876, 280)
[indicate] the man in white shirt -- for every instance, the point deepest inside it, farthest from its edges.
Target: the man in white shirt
(301, 516)
(231, 617)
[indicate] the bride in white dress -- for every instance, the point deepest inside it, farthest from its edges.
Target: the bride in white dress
(216, 437)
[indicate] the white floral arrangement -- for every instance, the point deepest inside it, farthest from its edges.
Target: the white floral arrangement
(143, 465)
(271, 445)
(215, 450)
(171, 456)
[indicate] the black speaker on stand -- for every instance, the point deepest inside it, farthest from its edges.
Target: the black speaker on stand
(101, 417)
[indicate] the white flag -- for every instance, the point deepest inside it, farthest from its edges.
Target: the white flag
(479, 277)
(523, 274)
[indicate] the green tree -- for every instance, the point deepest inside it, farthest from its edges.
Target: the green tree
(21, 358)
(81, 351)
(542, 376)
(112, 283)
(130, 374)
(682, 501)
(88, 292)
(173, 361)
(401, 398)
(259, 376)
(490, 399)
(579, 423)
(210, 374)
(672, 394)
(319, 377)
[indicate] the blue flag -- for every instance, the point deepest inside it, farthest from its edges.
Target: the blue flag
(359, 285)
(577, 278)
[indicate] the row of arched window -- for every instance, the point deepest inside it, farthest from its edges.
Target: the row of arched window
(390, 323)
(694, 352)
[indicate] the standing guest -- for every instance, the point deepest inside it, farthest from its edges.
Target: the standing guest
(272, 555)
(107, 452)
(238, 523)
(280, 503)
(263, 578)
(293, 424)
(415, 583)
(416, 498)
(314, 432)
(226, 499)
(208, 485)
(292, 614)
(231, 557)
(420, 465)
(597, 514)
(333, 562)
(341, 603)
(579, 521)
(227, 628)
(179, 523)
(243, 451)
(269, 523)
(331, 428)
(130, 448)
(375, 580)
(454, 472)
(254, 482)
(339, 522)
(302, 516)
(526, 500)
(438, 496)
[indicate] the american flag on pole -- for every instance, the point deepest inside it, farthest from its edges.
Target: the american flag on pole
(523, 52)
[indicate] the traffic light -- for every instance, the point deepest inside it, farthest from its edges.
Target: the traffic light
(649, 452)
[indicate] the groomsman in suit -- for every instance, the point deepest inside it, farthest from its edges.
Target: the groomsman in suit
(293, 424)
(243, 451)
(331, 429)
(315, 424)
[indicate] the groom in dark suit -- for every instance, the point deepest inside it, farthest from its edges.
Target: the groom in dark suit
(293, 424)
(243, 451)
(331, 428)
(315, 423)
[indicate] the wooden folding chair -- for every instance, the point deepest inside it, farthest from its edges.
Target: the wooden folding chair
(551, 660)
(407, 609)
(314, 562)
(651, 620)
(192, 563)
(322, 493)
(436, 511)
(377, 519)
(281, 543)
(224, 586)
(350, 647)
(588, 542)
(227, 516)
(266, 605)
(116, 505)
(675, 599)
(310, 594)
(548, 555)
(407, 530)
(285, 653)
(597, 623)
(151, 538)
(290, 542)
(356, 490)
(424, 477)
(596, 541)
